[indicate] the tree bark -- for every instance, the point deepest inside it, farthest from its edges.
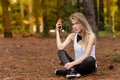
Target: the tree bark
(101, 17)
(22, 14)
(78, 5)
(36, 14)
(58, 9)
(6, 20)
(119, 5)
(45, 22)
(30, 17)
(109, 17)
(108, 3)
(89, 12)
(96, 12)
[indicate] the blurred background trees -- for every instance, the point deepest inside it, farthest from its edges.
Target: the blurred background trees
(40, 16)
(6, 19)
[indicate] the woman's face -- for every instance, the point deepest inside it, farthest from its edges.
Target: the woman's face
(77, 27)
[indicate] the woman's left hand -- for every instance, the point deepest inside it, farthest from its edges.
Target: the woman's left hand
(68, 65)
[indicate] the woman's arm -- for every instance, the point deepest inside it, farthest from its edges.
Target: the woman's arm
(61, 45)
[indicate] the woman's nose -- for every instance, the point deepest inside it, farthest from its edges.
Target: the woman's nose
(74, 26)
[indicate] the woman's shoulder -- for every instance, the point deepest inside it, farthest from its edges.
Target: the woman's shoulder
(92, 37)
(72, 35)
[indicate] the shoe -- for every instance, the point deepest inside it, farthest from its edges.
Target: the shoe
(60, 72)
(73, 74)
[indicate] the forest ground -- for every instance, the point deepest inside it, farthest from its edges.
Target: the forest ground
(35, 58)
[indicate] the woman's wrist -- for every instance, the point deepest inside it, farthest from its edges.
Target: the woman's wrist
(57, 29)
(73, 63)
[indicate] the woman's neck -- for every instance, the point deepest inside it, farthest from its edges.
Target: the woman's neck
(80, 34)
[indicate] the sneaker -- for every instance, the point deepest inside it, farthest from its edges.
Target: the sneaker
(60, 72)
(72, 74)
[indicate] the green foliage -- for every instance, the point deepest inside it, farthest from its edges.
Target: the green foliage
(117, 20)
(0, 15)
(67, 9)
(0, 10)
(15, 11)
(106, 34)
(51, 16)
(16, 28)
(107, 24)
(102, 33)
(1, 27)
(15, 15)
(51, 21)
(107, 21)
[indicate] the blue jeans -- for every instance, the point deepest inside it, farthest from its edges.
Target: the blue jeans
(87, 66)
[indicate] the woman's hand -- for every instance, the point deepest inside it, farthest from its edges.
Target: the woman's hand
(59, 24)
(68, 65)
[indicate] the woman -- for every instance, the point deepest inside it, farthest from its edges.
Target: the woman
(84, 48)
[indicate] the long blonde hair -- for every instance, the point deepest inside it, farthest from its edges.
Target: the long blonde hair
(86, 30)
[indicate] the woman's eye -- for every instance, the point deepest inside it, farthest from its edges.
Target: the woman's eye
(76, 23)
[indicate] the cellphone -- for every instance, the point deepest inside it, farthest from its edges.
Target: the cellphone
(60, 26)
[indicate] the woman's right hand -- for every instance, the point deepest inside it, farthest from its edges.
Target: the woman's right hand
(59, 24)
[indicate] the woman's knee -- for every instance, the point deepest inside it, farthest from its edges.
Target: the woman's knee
(61, 51)
(90, 59)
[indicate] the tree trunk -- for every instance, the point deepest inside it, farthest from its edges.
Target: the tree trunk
(36, 14)
(30, 17)
(22, 15)
(6, 20)
(65, 2)
(96, 12)
(89, 12)
(112, 17)
(109, 17)
(65, 7)
(119, 5)
(45, 22)
(101, 17)
(108, 3)
(78, 5)
(58, 9)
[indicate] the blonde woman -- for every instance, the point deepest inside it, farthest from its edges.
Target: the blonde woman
(84, 48)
